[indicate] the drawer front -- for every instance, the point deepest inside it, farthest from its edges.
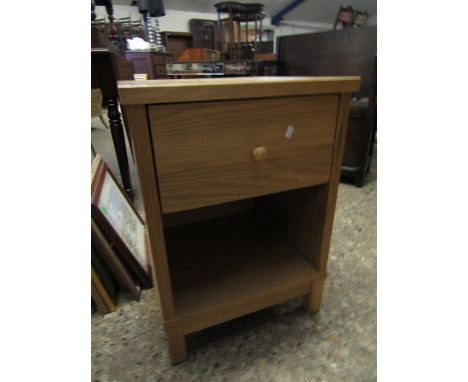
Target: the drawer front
(214, 152)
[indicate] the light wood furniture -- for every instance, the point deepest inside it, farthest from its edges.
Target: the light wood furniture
(239, 179)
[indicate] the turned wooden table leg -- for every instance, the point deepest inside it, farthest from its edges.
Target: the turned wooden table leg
(177, 346)
(313, 300)
(118, 138)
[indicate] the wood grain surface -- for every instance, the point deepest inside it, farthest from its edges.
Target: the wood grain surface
(332, 187)
(240, 257)
(205, 151)
(137, 120)
(196, 161)
(343, 52)
(208, 89)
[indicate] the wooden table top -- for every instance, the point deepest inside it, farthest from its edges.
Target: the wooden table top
(205, 89)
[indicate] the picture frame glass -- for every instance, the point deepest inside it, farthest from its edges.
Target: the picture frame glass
(123, 219)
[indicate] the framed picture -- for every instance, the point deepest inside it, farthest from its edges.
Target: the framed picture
(96, 160)
(105, 275)
(100, 295)
(115, 215)
(101, 247)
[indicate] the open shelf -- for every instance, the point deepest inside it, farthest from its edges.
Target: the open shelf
(216, 263)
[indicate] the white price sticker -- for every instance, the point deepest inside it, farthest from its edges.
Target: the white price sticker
(289, 132)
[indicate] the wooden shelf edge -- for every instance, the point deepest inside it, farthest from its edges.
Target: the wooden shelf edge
(230, 310)
(210, 89)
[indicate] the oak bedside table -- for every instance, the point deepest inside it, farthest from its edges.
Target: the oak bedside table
(239, 178)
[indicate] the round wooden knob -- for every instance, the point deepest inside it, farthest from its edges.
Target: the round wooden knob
(260, 154)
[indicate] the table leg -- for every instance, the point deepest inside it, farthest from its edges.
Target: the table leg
(313, 300)
(118, 138)
(177, 346)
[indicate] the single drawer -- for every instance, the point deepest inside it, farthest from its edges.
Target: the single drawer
(214, 152)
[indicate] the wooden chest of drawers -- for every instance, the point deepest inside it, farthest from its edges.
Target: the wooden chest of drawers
(239, 179)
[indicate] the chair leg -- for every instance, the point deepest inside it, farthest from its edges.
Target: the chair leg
(118, 138)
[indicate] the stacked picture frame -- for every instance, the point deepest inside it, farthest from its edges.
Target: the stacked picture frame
(120, 258)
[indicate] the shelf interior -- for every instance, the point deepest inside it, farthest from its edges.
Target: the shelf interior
(218, 261)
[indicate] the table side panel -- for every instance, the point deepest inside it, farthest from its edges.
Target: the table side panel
(136, 117)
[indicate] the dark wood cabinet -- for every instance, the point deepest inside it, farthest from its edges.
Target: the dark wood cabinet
(265, 47)
(151, 63)
(359, 141)
(204, 33)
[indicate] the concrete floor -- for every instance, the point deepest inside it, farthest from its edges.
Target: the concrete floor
(282, 343)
